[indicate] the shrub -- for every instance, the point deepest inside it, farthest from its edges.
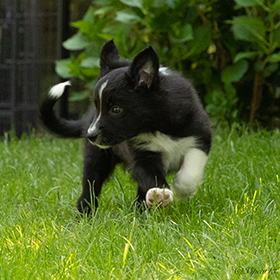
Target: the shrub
(230, 49)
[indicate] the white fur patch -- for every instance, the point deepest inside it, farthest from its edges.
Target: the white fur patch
(165, 71)
(93, 126)
(177, 155)
(159, 197)
(102, 87)
(172, 150)
(190, 175)
(57, 90)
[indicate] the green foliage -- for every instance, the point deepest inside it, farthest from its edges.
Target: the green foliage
(232, 222)
(235, 72)
(220, 45)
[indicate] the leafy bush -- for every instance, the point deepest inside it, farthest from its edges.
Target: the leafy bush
(230, 49)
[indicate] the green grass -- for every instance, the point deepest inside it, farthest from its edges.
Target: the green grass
(232, 222)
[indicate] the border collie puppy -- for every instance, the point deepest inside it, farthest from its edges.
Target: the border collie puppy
(146, 116)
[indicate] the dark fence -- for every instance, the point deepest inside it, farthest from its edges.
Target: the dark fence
(31, 32)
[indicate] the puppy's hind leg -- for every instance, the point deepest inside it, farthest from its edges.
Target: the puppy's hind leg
(98, 165)
(190, 175)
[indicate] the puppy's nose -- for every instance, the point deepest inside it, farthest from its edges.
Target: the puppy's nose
(92, 136)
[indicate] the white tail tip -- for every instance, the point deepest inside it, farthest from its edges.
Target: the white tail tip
(57, 90)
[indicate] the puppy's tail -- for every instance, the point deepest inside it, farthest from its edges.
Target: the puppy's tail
(62, 127)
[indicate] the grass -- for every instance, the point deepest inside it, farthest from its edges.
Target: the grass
(230, 230)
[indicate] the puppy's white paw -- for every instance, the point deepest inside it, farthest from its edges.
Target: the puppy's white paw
(159, 197)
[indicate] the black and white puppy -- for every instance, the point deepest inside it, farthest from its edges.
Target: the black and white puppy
(146, 116)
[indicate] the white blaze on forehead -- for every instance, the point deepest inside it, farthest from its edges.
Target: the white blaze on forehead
(102, 87)
(57, 90)
(92, 127)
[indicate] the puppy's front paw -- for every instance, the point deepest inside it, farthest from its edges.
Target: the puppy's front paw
(159, 197)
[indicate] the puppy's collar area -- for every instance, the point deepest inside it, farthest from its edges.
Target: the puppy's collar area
(58, 90)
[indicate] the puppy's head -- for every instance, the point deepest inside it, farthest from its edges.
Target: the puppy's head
(123, 96)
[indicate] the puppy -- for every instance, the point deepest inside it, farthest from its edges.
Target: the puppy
(145, 116)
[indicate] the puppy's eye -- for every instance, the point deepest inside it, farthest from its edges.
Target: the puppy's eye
(116, 110)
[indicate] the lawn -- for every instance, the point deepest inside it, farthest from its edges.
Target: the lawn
(230, 230)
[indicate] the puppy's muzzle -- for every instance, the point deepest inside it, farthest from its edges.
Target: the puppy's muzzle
(92, 136)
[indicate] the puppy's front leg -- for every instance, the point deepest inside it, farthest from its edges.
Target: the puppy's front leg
(150, 176)
(98, 165)
(190, 175)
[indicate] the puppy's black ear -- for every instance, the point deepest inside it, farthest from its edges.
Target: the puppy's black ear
(144, 68)
(108, 57)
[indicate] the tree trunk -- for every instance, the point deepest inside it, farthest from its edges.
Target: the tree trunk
(257, 94)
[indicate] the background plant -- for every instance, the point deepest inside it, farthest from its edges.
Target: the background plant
(230, 49)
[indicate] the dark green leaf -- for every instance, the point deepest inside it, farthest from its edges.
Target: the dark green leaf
(171, 3)
(102, 10)
(275, 6)
(235, 72)
(76, 42)
(89, 16)
(90, 73)
(276, 36)
(159, 3)
(270, 69)
(127, 16)
(230, 93)
(274, 58)
(75, 67)
(90, 62)
(244, 55)
(249, 29)
(162, 3)
(248, 3)
(186, 34)
(133, 3)
(85, 27)
(202, 37)
(62, 68)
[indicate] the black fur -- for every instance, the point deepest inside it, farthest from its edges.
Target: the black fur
(136, 98)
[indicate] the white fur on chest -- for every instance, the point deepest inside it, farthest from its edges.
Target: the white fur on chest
(172, 150)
